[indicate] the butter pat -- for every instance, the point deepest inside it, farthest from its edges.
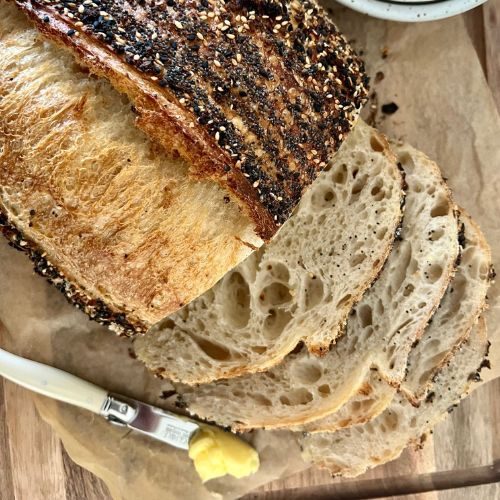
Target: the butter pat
(216, 453)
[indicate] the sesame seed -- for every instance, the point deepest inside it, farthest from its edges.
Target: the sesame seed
(178, 24)
(199, 35)
(217, 136)
(222, 128)
(81, 9)
(329, 96)
(137, 57)
(217, 63)
(238, 57)
(255, 184)
(230, 36)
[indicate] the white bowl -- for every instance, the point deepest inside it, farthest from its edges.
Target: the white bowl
(411, 11)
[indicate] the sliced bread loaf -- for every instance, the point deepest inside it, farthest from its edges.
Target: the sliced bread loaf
(302, 285)
(380, 332)
(463, 303)
(352, 451)
(459, 310)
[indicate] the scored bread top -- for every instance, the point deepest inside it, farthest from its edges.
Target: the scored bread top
(253, 94)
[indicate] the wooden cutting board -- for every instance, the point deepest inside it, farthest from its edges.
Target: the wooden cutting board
(34, 465)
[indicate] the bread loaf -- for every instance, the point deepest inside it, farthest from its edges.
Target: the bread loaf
(254, 95)
(299, 287)
(464, 302)
(380, 332)
(113, 222)
(352, 451)
(459, 310)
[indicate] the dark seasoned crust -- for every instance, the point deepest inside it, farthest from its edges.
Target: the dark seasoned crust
(120, 323)
(254, 94)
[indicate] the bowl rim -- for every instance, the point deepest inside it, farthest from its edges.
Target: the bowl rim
(411, 12)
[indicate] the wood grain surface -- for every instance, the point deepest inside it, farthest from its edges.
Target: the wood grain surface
(34, 465)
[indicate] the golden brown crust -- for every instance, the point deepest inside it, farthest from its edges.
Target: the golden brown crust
(120, 323)
(254, 94)
(108, 210)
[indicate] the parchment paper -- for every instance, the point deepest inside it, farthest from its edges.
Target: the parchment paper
(432, 73)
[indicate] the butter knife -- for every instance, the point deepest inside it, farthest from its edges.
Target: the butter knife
(165, 426)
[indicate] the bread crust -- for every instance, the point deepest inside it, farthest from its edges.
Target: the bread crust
(108, 209)
(258, 110)
(115, 320)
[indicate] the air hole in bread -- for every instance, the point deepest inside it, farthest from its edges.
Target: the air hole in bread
(357, 259)
(399, 274)
(376, 144)
(409, 289)
(306, 372)
(261, 400)
(434, 272)
(359, 184)
(366, 404)
(413, 422)
(313, 291)
(279, 271)
(236, 303)
(296, 397)
(275, 323)
(484, 270)
(437, 234)
(323, 198)
(441, 208)
(344, 300)
(379, 194)
(340, 175)
(259, 349)
(417, 187)
(381, 233)
(391, 420)
(431, 190)
(364, 312)
(211, 349)
(275, 294)
(324, 390)
(166, 324)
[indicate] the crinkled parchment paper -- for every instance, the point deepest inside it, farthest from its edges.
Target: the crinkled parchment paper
(445, 108)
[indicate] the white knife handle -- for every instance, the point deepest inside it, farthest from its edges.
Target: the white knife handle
(51, 382)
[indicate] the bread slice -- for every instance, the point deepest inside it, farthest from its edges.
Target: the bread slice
(352, 451)
(115, 224)
(254, 96)
(380, 332)
(458, 311)
(302, 285)
(462, 305)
